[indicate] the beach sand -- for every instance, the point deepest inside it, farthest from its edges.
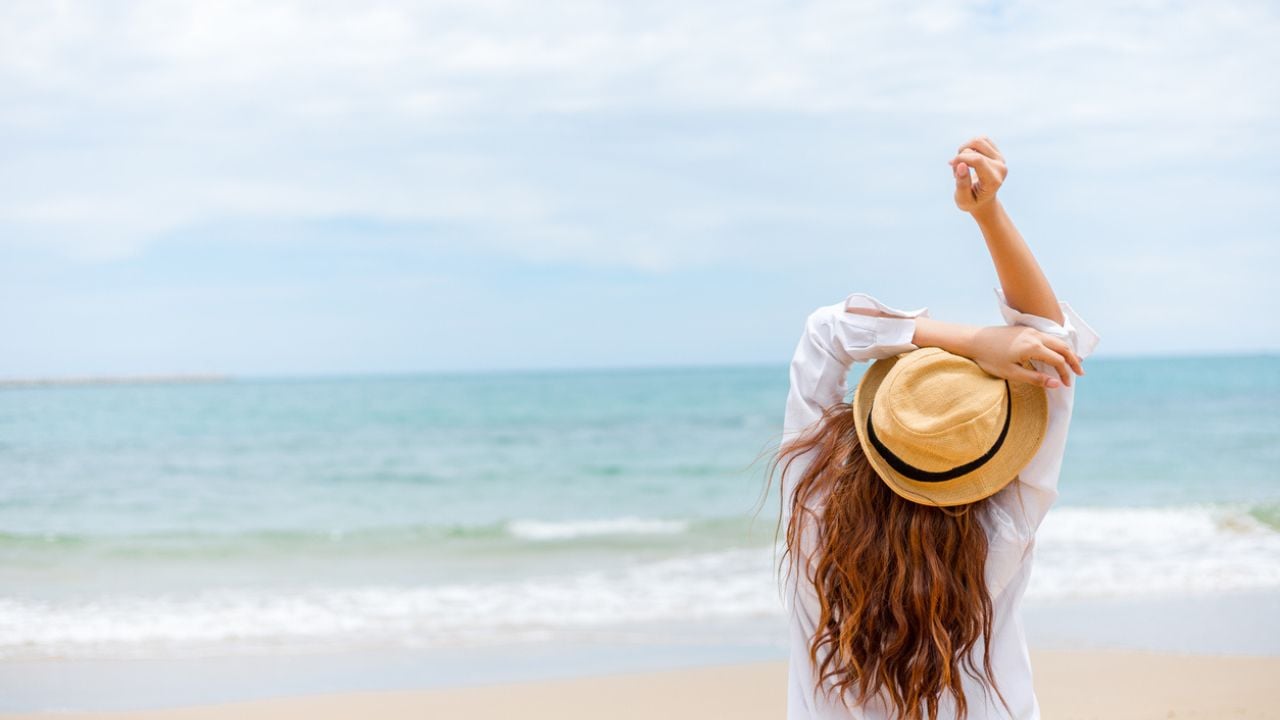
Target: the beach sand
(1081, 685)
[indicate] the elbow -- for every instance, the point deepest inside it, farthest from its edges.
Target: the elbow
(812, 340)
(817, 323)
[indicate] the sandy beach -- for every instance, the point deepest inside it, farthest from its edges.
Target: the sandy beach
(1070, 684)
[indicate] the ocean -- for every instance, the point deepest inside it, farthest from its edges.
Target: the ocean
(280, 516)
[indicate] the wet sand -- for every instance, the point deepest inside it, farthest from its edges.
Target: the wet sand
(1094, 684)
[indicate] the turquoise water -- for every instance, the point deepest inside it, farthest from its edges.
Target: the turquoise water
(1173, 431)
(274, 514)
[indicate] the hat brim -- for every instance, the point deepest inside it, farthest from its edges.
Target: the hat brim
(1029, 418)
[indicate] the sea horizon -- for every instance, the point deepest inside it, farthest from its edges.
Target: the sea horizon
(221, 376)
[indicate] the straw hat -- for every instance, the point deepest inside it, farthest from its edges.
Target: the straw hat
(942, 431)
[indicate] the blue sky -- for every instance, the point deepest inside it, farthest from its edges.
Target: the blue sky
(266, 188)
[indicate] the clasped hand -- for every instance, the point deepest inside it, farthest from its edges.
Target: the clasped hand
(988, 165)
(1007, 351)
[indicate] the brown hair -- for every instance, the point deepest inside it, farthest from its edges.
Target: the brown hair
(902, 588)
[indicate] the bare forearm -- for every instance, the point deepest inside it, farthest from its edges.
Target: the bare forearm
(1025, 286)
(955, 338)
(1000, 350)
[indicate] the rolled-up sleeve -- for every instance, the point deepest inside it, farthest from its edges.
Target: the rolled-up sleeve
(1079, 336)
(836, 336)
(1038, 482)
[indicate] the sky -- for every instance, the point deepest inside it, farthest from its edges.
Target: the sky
(263, 188)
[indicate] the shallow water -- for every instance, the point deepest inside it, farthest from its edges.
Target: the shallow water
(281, 515)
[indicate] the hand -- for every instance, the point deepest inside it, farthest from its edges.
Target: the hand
(981, 154)
(1006, 351)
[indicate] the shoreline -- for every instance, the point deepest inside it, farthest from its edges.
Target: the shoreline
(1120, 684)
(1198, 629)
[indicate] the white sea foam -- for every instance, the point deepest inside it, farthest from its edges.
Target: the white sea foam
(1083, 552)
(1080, 553)
(572, 529)
(722, 585)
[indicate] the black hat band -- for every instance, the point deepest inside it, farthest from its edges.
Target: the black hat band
(911, 471)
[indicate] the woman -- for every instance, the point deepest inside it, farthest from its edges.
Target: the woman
(912, 509)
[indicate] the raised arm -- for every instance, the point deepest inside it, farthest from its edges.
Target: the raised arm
(861, 329)
(1033, 346)
(1025, 286)
(858, 329)
(1004, 350)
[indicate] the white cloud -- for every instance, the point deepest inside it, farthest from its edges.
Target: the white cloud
(123, 123)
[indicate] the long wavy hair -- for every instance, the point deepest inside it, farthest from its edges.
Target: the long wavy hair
(902, 589)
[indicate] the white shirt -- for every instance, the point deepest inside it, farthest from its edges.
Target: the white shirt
(833, 340)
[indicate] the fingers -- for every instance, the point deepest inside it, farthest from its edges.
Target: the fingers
(990, 172)
(984, 145)
(1025, 375)
(1059, 345)
(1053, 358)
